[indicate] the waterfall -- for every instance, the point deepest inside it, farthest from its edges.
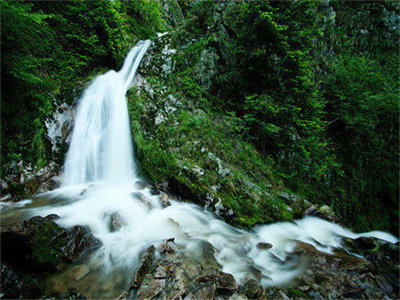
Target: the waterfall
(101, 152)
(101, 145)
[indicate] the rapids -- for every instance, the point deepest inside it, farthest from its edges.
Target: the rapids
(100, 162)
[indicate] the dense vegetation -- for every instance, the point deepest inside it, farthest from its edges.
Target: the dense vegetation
(298, 94)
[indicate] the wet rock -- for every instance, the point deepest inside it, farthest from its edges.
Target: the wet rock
(312, 209)
(115, 222)
(87, 190)
(151, 290)
(206, 292)
(226, 284)
(50, 184)
(141, 185)
(143, 199)
(164, 200)
(325, 212)
(342, 275)
(17, 286)
(161, 272)
(144, 265)
(167, 246)
(39, 244)
(251, 288)
(78, 240)
(264, 246)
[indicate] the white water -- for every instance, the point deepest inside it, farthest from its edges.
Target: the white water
(101, 147)
(101, 152)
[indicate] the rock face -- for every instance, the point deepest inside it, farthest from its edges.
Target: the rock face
(39, 244)
(23, 181)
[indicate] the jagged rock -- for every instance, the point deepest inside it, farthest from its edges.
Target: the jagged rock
(115, 222)
(151, 290)
(264, 246)
(167, 246)
(18, 286)
(226, 284)
(144, 265)
(39, 244)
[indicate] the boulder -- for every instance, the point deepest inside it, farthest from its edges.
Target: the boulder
(264, 246)
(226, 284)
(251, 288)
(115, 222)
(39, 244)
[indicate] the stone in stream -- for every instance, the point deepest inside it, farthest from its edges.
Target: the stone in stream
(115, 222)
(226, 284)
(251, 288)
(139, 196)
(264, 246)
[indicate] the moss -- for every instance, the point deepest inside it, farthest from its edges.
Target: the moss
(45, 251)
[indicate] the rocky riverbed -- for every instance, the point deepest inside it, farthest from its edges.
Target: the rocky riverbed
(38, 251)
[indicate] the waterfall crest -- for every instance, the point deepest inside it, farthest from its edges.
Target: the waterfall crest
(101, 145)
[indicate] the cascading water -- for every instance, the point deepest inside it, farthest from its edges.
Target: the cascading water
(101, 147)
(101, 153)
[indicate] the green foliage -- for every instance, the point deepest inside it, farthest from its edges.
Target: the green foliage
(44, 250)
(363, 110)
(201, 155)
(143, 18)
(49, 51)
